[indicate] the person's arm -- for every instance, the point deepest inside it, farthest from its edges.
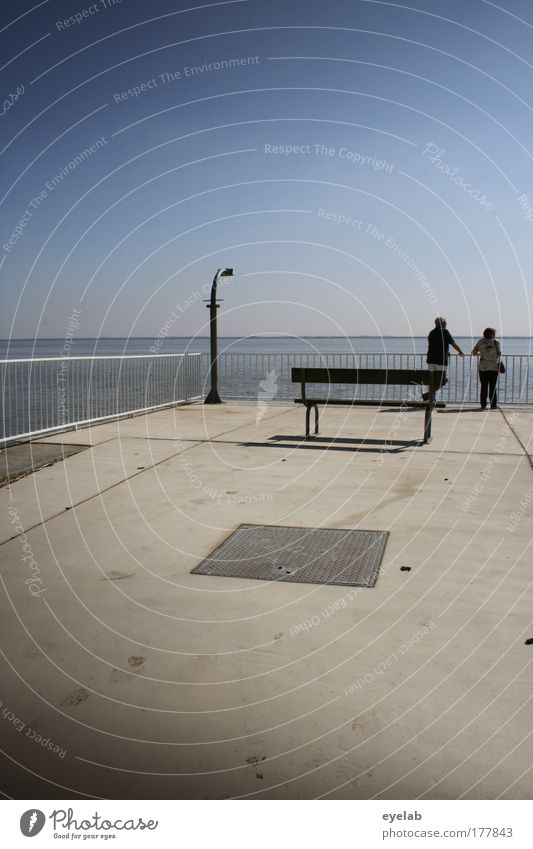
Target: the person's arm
(475, 350)
(451, 341)
(499, 349)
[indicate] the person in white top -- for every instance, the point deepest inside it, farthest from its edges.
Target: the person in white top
(489, 351)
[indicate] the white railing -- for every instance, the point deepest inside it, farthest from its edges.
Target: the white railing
(267, 376)
(43, 395)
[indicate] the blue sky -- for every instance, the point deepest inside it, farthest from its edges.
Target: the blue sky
(364, 166)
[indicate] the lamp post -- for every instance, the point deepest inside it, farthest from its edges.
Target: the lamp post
(213, 397)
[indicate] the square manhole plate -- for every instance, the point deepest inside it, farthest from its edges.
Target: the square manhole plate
(305, 555)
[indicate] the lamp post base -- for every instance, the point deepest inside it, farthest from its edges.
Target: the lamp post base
(213, 398)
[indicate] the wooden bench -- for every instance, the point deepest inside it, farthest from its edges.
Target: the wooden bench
(362, 376)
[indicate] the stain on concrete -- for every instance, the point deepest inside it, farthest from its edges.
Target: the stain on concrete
(17, 461)
(118, 676)
(76, 697)
(117, 576)
(255, 759)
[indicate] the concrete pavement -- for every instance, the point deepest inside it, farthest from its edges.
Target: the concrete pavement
(156, 683)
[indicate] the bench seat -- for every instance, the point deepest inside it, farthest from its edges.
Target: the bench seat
(377, 377)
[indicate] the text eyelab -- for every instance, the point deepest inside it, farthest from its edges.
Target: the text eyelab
(403, 815)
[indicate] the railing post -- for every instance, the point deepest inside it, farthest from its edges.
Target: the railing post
(185, 360)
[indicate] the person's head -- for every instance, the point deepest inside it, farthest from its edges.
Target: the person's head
(440, 322)
(489, 333)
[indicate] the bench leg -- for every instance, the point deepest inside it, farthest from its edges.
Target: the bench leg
(308, 418)
(427, 418)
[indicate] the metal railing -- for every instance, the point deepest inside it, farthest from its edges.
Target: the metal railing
(43, 395)
(266, 376)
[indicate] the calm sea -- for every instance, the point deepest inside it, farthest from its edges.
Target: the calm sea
(270, 344)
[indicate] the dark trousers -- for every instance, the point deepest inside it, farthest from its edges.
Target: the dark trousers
(488, 380)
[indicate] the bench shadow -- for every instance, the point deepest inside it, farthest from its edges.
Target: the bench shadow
(404, 443)
(462, 410)
(320, 443)
(404, 410)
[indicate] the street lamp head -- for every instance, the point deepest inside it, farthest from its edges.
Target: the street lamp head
(225, 272)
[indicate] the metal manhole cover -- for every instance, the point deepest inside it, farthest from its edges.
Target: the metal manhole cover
(305, 555)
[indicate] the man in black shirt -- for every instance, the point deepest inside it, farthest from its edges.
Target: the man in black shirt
(439, 341)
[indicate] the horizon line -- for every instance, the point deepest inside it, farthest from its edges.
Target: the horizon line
(253, 336)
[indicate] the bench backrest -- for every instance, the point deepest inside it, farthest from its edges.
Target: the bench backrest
(396, 377)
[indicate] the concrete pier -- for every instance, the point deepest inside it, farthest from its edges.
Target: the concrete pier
(124, 676)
